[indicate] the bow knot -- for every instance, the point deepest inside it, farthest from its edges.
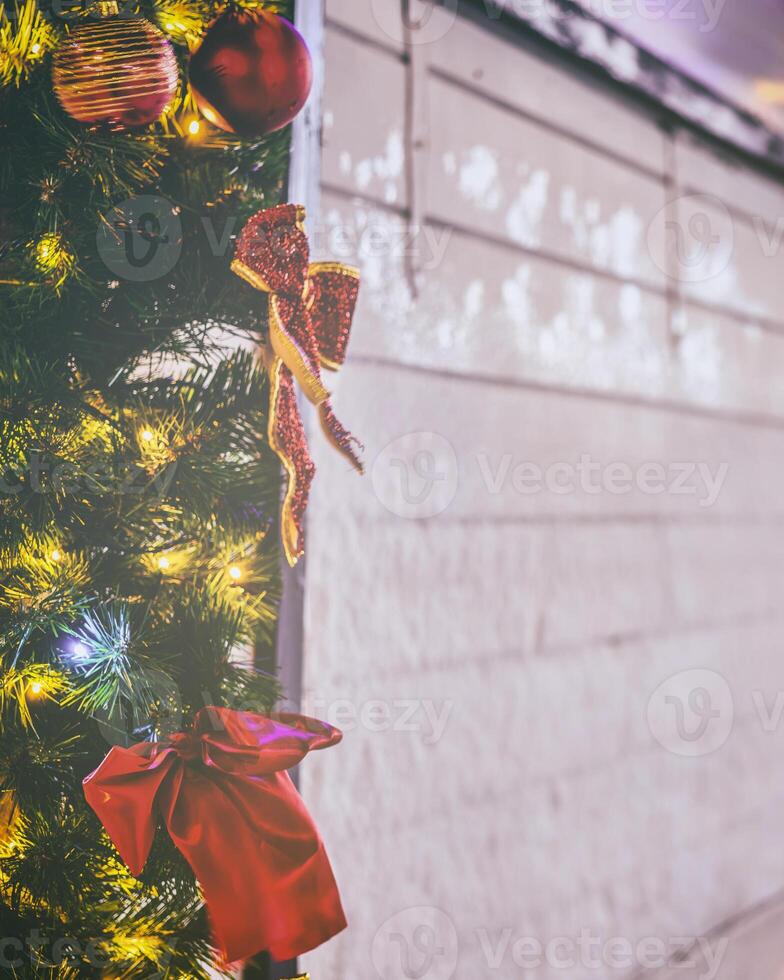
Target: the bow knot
(187, 746)
(311, 308)
(230, 807)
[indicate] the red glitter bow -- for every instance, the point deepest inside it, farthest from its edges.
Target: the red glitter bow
(232, 810)
(310, 312)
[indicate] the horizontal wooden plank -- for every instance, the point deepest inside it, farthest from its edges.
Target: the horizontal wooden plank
(723, 573)
(699, 169)
(532, 592)
(443, 449)
(491, 310)
(541, 590)
(567, 742)
(519, 181)
(724, 261)
(487, 62)
(364, 120)
(728, 362)
(420, 718)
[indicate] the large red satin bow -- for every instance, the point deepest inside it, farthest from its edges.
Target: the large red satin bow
(232, 810)
(310, 312)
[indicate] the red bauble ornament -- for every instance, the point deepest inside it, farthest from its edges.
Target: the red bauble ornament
(252, 72)
(121, 71)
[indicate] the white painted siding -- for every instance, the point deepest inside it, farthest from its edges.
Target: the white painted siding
(494, 654)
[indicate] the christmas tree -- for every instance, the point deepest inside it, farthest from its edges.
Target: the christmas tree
(139, 495)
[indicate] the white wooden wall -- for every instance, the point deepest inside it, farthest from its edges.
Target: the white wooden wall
(553, 320)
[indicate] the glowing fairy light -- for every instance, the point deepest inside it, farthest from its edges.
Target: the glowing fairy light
(147, 435)
(164, 563)
(56, 554)
(53, 257)
(194, 127)
(235, 572)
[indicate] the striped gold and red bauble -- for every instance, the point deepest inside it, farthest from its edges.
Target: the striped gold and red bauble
(116, 70)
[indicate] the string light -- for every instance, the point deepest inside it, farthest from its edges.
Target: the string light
(235, 572)
(163, 563)
(36, 687)
(56, 555)
(35, 48)
(53, 257)
(148, 435)
(193, 127)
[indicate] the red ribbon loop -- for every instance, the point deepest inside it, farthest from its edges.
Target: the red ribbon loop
(232, 810)
(310, 314)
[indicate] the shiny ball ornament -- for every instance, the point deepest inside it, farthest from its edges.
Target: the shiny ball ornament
(119, 71)
(252, 72)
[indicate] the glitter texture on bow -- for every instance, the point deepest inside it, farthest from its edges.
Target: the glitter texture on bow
(311, 307)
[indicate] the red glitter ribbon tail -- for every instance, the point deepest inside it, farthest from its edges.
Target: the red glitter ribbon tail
(294, 342)
(287, 438)
(340, 437)
(311, 309)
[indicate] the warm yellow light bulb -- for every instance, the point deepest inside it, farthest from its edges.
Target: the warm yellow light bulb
(35, 48)
(36, 687)
(194, 126)
(49, 251)
(147, 435)
(56, 555)
(163, 563)
(236, 572)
